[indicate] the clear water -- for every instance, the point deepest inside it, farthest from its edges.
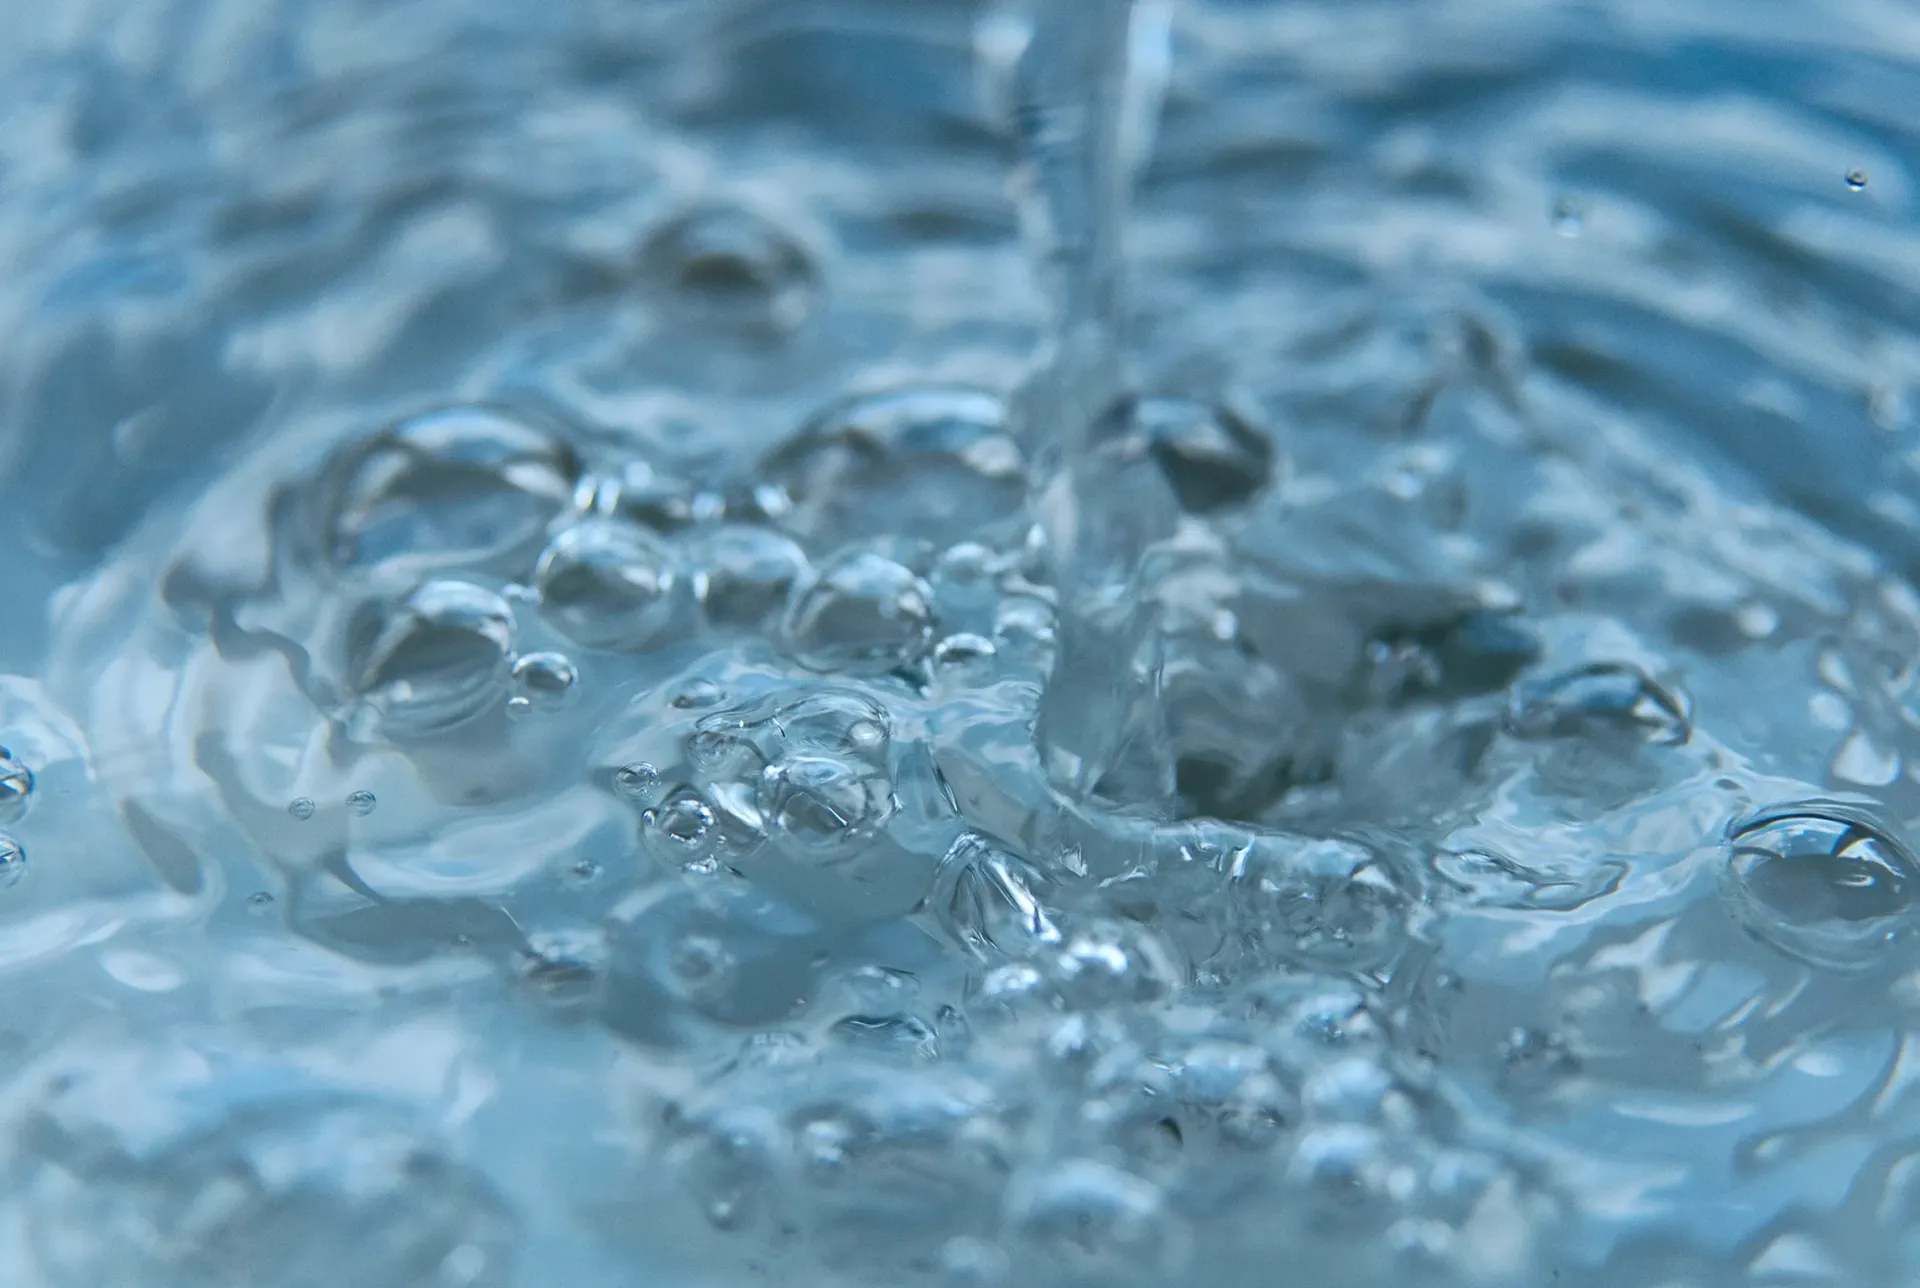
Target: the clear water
(536, 556)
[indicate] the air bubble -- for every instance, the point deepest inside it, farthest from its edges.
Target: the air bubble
(732, 266)
(439, 658)
(16, 787)
(13, 862)
(1088, 1214)
(1110, 962)
(462, 486)
(1599, 699)
(609, 585)
(988, 900)
(864, 613)
(1330, 905)
(1822, 881)
(302, 809)
(826, 805)
(635, 781)
(544, 681)
(939, 462)
(743, 574)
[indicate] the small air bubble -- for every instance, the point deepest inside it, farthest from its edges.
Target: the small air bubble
(1856, 179)
(301, 809)
(16, 787)
(362, 803)
(1568, 218)
(635, 781)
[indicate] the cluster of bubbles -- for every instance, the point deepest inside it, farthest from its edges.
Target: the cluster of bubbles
(926, 991)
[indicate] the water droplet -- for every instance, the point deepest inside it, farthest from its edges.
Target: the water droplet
(939, 462)
(362, 803)
(607, 584)
(825, 804)
(16, 787)
(988, 900)
(732, 266)
(864, 613)
(13, 862)
(1822, 881)
(635, 782)
(301, 808)
(742, 574)
(465, 485)
(1856, 179)
(544, 681)
(1213, 457)
(1569, 220)
(439, 658)
(1597, 699)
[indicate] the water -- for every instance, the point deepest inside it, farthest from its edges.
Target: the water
(833, 643)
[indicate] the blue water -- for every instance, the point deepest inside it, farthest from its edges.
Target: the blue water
(534, 560)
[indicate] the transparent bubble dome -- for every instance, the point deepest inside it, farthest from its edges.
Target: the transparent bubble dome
(544, 738)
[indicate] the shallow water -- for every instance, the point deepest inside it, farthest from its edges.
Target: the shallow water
(529, 598)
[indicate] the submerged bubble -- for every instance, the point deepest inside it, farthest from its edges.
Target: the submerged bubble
(1569, 220)
(544, 681)
(732, 265)
(16, 787)
(13, 861)
(826, 804)
(1111, 962)
(863, 613)
(465, 485)
(607, 584)
(1822, 881)
(1090, 1215)
(440, 657)
(742, 574)
(936, 461)
(301, 808)
(988, 900)
(635, 781)
(1597, 699)
(1331, 905)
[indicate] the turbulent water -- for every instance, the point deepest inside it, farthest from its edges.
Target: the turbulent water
(642, 648)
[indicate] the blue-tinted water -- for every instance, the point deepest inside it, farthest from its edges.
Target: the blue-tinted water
(532, 578)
